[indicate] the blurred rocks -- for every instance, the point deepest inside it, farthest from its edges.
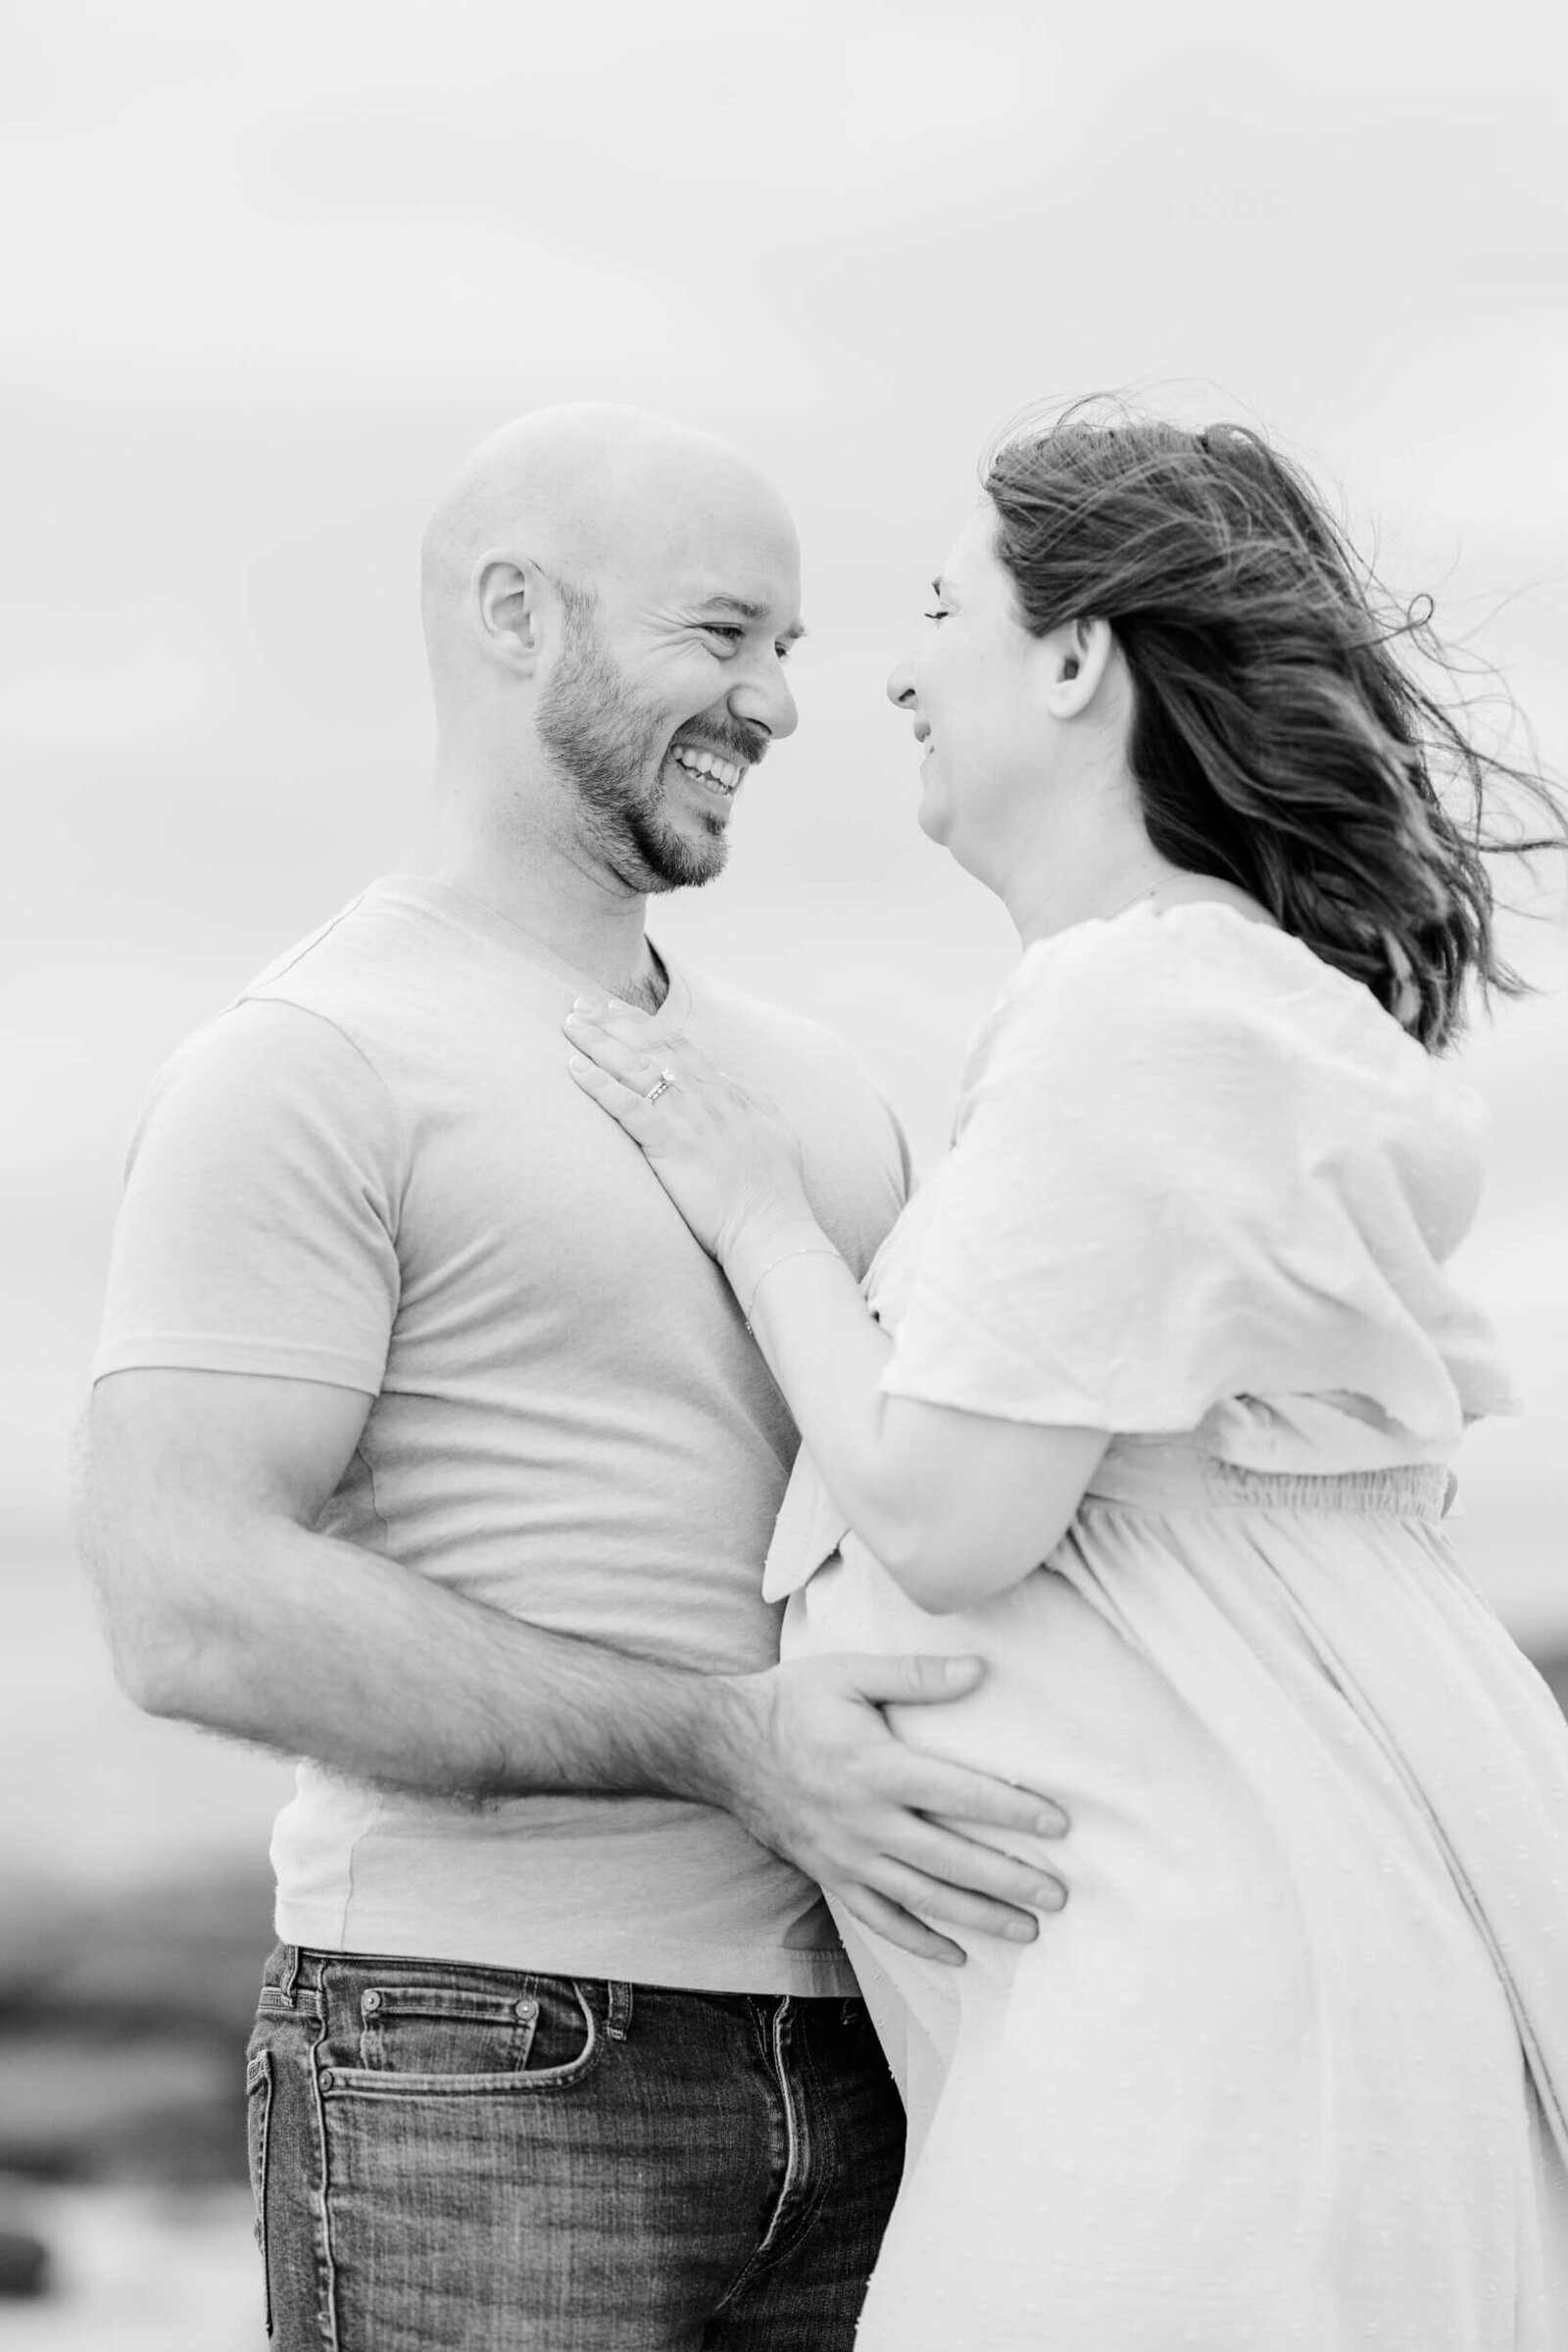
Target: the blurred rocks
(123, 2028)
(1555, 1670)
(24, 2264)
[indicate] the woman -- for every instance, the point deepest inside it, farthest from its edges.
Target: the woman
(1291, 2068)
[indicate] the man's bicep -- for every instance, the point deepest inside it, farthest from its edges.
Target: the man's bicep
(165, 1445)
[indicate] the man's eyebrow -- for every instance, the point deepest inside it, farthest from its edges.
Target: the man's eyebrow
(743, 609)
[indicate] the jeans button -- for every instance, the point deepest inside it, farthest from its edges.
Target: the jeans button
(527, 2009)
(371, 2003)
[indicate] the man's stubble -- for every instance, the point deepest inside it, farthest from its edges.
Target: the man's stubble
(611, 750)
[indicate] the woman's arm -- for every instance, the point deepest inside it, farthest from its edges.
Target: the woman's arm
(956, 1505)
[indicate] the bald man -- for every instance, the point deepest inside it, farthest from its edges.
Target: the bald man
(427, 1445)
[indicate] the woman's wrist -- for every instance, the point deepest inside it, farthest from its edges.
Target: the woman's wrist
(763, 1242)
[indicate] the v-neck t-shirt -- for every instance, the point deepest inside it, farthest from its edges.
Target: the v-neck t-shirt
(375, 1170)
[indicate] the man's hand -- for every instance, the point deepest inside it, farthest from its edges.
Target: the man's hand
(813, 1769)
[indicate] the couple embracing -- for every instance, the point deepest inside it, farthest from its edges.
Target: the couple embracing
(1194, 1841)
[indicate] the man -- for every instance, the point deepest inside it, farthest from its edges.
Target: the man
(429, 1445)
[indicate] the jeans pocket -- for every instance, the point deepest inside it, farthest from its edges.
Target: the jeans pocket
(443, 2030)
(430, 2039)
(258, 2123)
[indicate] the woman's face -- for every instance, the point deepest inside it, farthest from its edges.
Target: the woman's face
(975, 686)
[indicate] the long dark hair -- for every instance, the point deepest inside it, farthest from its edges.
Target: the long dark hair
(1278, 738)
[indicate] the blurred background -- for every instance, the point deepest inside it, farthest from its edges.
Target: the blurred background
(268, 275)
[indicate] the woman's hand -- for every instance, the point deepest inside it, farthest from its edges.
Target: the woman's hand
(726, 1158)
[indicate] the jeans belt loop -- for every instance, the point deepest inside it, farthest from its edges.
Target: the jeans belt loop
(291, 1972)
(619, 2018)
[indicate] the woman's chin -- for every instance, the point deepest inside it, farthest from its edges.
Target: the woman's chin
(931, 817)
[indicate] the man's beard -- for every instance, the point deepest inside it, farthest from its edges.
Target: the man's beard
(612, 751)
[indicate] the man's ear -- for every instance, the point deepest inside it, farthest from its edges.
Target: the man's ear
(1076, 656)
(509, 602)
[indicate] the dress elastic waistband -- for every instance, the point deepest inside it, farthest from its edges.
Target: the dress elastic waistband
(1156, 1476)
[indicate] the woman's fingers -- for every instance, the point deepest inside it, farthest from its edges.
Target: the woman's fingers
(647, 1034)
(631, 1065)
(628, 1104)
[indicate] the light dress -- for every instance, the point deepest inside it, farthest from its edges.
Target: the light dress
(1289, 2071)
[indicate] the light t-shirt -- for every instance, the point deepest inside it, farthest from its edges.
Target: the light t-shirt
(376, 1170)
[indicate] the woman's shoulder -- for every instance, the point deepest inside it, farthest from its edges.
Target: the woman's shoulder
(1198, 947)
(1200, 1020)
(1180, 980)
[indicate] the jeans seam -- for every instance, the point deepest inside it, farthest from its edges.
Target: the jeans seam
(327, 2267)
(259, 2086)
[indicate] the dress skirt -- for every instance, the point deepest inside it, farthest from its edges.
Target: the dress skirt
(1291, 2068)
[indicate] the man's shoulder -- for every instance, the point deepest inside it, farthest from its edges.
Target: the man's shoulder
(332, 963)
(401, 986)
(297, 1032)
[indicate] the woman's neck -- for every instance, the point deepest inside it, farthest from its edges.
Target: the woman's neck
(1150, 881)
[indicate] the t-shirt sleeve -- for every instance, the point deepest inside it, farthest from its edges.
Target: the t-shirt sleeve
(1149, 1210)
(257, 1233)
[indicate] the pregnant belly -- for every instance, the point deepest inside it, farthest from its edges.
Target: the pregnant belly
(1068, 1707)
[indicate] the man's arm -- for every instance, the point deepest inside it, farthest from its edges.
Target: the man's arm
(199, 1497)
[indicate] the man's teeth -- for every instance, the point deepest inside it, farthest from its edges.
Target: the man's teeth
(708, 765)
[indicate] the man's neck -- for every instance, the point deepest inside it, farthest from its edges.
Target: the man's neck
(580, 916)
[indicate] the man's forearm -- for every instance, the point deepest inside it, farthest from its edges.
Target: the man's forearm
(318, 1648)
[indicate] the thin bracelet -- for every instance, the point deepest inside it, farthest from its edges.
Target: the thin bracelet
(807, 1249)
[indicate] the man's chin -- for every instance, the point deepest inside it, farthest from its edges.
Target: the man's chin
(674, 861)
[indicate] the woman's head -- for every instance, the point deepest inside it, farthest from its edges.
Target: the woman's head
(1272, 735)
(1013, 725)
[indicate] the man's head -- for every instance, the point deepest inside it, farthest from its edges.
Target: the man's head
(608, 602)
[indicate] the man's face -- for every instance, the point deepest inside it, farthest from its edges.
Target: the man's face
(668, 689)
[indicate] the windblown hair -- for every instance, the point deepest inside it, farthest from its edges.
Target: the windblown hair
(1278, 738)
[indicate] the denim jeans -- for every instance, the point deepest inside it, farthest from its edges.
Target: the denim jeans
(453, 2159)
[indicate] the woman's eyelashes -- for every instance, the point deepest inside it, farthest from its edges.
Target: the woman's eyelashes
(941, 613)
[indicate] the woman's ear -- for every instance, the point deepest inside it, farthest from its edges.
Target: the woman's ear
(1078, 655)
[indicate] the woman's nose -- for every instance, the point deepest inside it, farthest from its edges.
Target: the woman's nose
(900, 686)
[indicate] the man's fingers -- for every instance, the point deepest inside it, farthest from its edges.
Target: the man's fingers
(937, 1853)
(923, 1784)
(936, 1899)
(885, 1919)
(914, 1681)
(917, 1680)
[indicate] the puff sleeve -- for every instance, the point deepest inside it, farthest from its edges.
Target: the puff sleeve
(1194, 1165)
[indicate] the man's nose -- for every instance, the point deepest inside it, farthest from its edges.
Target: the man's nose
(764, 699)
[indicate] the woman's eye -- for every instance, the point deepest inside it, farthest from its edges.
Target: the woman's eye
(941, 613)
